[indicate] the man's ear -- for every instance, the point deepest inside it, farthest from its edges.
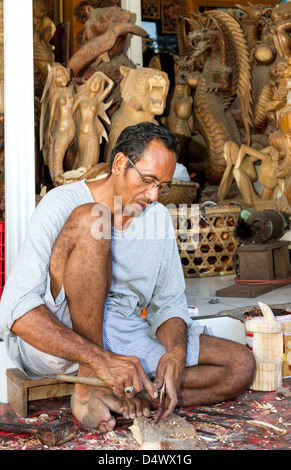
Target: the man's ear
(119, 164)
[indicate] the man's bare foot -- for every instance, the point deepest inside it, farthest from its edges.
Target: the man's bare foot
(93, 410)
(93, 407)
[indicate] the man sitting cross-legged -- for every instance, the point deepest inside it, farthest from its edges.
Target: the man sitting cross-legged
(96, 254)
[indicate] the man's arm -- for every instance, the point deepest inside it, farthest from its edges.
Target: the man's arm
(173, 335)
(43, 331)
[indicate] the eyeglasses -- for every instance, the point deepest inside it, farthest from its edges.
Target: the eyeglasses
(162, 189)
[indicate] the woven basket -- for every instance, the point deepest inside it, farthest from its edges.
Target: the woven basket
(207, 247)
(183, 193)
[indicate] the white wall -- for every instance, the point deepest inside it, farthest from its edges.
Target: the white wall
(19, 128)
(133, 49)
(19, 137)
(19, 124)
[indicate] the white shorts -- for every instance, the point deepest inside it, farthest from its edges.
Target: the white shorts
(122, 335)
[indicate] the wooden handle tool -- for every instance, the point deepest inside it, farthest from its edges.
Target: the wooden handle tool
(50, 434)
(82, 380)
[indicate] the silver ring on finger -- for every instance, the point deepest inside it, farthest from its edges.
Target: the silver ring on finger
(128, 390)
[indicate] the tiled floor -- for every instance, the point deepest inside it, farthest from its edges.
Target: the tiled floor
(201, 292)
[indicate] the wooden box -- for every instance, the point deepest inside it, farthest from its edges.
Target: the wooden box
(266, 261)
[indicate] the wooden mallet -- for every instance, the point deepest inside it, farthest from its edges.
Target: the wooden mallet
(50, 434)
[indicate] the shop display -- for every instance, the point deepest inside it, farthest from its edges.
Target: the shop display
(228, 104)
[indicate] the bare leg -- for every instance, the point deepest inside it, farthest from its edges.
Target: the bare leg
(225, 370)
(83, 265)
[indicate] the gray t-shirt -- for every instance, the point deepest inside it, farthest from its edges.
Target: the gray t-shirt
(146, 267)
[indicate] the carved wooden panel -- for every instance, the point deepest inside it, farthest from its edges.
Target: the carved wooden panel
(151, 9)
(170, 11)
(196, 6)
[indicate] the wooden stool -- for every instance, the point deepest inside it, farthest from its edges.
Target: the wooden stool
(21, 390)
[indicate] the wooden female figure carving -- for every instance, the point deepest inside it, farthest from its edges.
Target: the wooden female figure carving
(57, 126)
(43, 31)
(88, 107)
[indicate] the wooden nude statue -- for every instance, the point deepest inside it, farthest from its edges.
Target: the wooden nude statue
(240, 166)
(180, 120)
(275, 168)
(43, 31)
(88, 107)
(144, 92)
(57, 126)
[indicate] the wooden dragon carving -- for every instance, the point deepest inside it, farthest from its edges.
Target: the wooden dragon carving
(218, 40)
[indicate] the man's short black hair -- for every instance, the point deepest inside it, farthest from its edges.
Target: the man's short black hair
(134, 140)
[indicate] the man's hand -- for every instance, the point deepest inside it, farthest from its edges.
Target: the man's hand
(120, 372)
(170, 370)
(173, 335)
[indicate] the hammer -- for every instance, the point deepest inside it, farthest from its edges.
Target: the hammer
(49, 434)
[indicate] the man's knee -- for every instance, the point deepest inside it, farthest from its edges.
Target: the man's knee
(237, 360)
(92, 220)
(247, 363)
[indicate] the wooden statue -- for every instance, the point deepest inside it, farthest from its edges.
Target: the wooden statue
(275, 168)
(144, 92)
(280, 29)
(89, 102)
(105, 35)
(180, 120)
(101, 43)
(254, 21)
(69, 118)
(240, 165)
(43, 31)
(217, 41)
(57, 126)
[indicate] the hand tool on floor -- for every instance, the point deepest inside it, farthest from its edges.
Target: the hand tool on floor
(161, 406)
(50, 434)
(95, 381)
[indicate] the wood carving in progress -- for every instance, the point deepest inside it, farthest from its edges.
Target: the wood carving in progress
(171, 433)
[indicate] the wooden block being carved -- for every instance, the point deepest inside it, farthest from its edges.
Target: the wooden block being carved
(171, 433)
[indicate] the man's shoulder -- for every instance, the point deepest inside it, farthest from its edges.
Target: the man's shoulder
(157, 208)
(77, 193)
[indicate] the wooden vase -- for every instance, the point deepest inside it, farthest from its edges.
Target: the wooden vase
(267, 345)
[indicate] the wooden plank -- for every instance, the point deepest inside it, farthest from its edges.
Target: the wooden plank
(18, 377)
(244, 291)
(17, 398)
(50, 391)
